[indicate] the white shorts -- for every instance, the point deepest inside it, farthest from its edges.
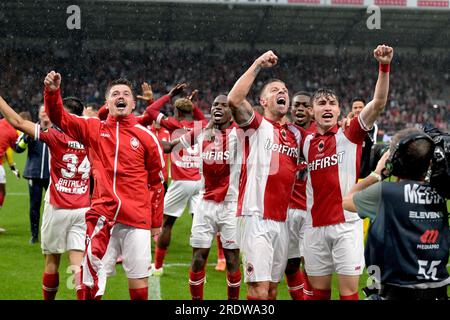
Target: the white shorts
(2, 175)
(337, 248)
(179, 194)
(263, 245)
(296, 228)
(134, 246)
(62, 229)
(212, 217)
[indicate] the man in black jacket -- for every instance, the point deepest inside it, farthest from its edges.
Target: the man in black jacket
(36, 172)
(408, 242)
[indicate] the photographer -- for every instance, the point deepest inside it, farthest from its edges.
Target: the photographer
(409, 237)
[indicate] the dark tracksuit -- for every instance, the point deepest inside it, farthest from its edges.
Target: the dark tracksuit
(37, 173)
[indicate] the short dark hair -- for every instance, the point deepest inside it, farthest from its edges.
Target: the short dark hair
(73, 105)
(355, 99)
(117, 82)
(26, 115)
(323, 92)
(93, 105)
(271, 80)
(302, 93)
(415, 156)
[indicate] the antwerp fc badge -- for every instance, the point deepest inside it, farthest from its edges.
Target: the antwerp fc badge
(134, 143)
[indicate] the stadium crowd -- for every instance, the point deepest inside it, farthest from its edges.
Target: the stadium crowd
(411, 99)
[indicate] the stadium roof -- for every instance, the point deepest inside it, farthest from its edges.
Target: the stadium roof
(215, 23)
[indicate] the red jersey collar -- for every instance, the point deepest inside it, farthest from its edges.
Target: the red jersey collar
(331, 131)
(128, 121)
(277, 124)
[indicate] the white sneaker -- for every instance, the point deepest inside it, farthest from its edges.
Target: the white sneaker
(157, 272)
(2, 230)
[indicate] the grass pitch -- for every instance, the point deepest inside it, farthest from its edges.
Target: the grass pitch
(21, 264)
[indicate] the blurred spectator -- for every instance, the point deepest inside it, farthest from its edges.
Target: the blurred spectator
(417, 82)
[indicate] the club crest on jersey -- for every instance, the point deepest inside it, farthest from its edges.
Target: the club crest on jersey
(283, 133)
(216, 141)
(321, 145)
(249, 269)
(134, 143)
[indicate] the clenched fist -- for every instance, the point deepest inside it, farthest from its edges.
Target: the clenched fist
(52, 80)
(383, 54)
(267, 60)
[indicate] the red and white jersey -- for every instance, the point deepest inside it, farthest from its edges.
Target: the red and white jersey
(185, 163)
(69, 170)
(298, 198)
(8, 137)
(221, 156)
(163, 135)
(269, 167)
(333, 168)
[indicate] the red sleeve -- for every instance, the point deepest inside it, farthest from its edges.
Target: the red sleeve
(253, 123)
(73, 126)
(157, 196)
(155, 161)
(356, 132)
(47, 136)
(103, 112)
(170, 123)
(154, 166)
(147, 118)
(190, 137)
(158, 104)
(197, 113)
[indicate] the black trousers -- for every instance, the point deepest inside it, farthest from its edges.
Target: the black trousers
(35, 189)
(390, 292)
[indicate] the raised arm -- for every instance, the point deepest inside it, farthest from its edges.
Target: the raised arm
(374, 177)
(240, 107)
(372, 110)
(74, 126)
(103, 112)
(15, 119)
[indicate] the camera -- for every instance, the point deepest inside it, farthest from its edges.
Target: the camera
(376, 153)
(439, 173)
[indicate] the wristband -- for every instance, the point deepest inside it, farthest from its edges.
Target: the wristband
(385, 67)
(376, 176)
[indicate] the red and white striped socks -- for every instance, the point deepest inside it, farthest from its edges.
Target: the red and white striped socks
(234, 284)
(50, 283)
(196, 283)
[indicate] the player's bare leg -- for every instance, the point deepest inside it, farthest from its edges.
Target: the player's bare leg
(166, 232)
(233, 273)
(138, 288)
(321, 287)
(197, 272)
(348, 287)
(163, 241)
(221, 263)
(50, 279)
(258, 290)
(75, 258)
(2, 199)
(273, 290)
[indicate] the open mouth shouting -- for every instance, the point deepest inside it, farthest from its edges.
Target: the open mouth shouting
(281, 101)
(300, 115)
(218, 115)
(121, 105)
(327, 116)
